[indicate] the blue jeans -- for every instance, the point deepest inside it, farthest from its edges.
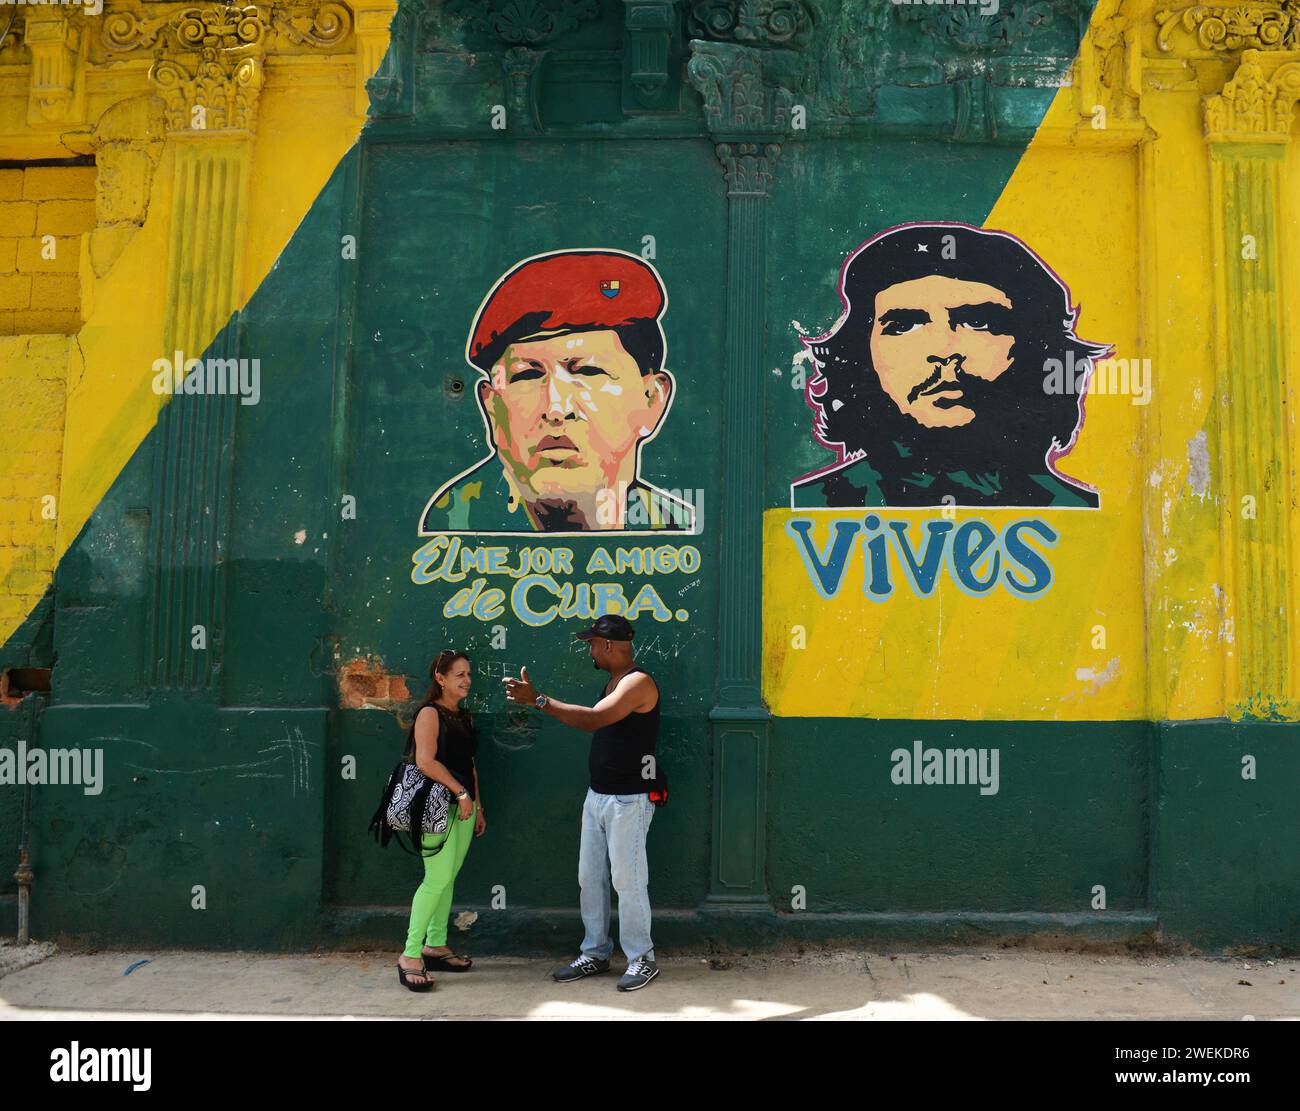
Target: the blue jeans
(614, 829)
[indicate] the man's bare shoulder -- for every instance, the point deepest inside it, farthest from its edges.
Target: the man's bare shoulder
(631, 680)
(642, 685)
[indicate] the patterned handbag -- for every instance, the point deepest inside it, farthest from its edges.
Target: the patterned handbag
(412, 804)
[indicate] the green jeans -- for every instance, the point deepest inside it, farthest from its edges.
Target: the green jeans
(432, 902)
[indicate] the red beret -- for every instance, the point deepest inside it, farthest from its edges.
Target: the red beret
(564, 291)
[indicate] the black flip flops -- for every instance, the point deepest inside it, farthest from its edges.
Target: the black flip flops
(402, 973)
(441, 964)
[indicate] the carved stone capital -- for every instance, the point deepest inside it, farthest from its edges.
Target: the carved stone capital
(742, 96)
(218, 94)
(207, 66)
(1258, 103)
(749, 167)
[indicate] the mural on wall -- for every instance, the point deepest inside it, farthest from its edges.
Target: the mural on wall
(570, 349)
(956, 535)
(953, 377)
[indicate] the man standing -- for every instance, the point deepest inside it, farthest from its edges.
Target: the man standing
(624, 725)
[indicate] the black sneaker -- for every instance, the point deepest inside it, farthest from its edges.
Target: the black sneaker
(638, 974)
(579, 970)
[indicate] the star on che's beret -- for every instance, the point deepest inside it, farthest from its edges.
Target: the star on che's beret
(566, 291)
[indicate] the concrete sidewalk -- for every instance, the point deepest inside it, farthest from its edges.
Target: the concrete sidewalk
(999, 984)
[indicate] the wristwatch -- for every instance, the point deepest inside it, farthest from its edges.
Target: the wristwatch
(540, 701)
(463, 795)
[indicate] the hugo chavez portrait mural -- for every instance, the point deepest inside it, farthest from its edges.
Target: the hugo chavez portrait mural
(935, 387)
(570, 350)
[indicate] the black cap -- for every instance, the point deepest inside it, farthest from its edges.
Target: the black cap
(609, 627)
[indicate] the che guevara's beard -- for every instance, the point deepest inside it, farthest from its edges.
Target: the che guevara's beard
(1000, 437)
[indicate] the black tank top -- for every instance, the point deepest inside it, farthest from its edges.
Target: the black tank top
(457, 744)
(618, 751)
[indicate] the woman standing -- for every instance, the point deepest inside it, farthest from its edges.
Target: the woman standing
(445, 744)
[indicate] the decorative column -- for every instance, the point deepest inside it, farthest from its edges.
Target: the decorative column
(208, 69)
(748, 117)
(1247, 128)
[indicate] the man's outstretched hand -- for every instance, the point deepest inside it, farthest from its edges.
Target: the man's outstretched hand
(520, 690)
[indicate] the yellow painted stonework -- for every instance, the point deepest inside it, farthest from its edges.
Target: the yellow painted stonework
(101, 86)
(43, 212)
(33, 379)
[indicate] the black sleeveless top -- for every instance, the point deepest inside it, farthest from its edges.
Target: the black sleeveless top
(457, 744)
(618, 751)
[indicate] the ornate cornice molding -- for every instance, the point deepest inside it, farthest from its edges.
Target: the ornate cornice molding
(275, 28)
(323, 26)
(524, 22)
(964, 29)
(752, 22)
(71, 54)
(209, 59)
(1223, 28)
(1258, 103)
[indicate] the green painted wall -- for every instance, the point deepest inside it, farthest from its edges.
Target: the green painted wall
(1071, 811)
(237, 787)
(1226, 867)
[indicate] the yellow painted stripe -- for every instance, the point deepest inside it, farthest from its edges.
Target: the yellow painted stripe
(302, 136)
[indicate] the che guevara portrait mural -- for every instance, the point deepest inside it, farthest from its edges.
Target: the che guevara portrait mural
(933, 387)
(569, 349)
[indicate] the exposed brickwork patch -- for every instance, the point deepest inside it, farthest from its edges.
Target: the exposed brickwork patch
(365, 682)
